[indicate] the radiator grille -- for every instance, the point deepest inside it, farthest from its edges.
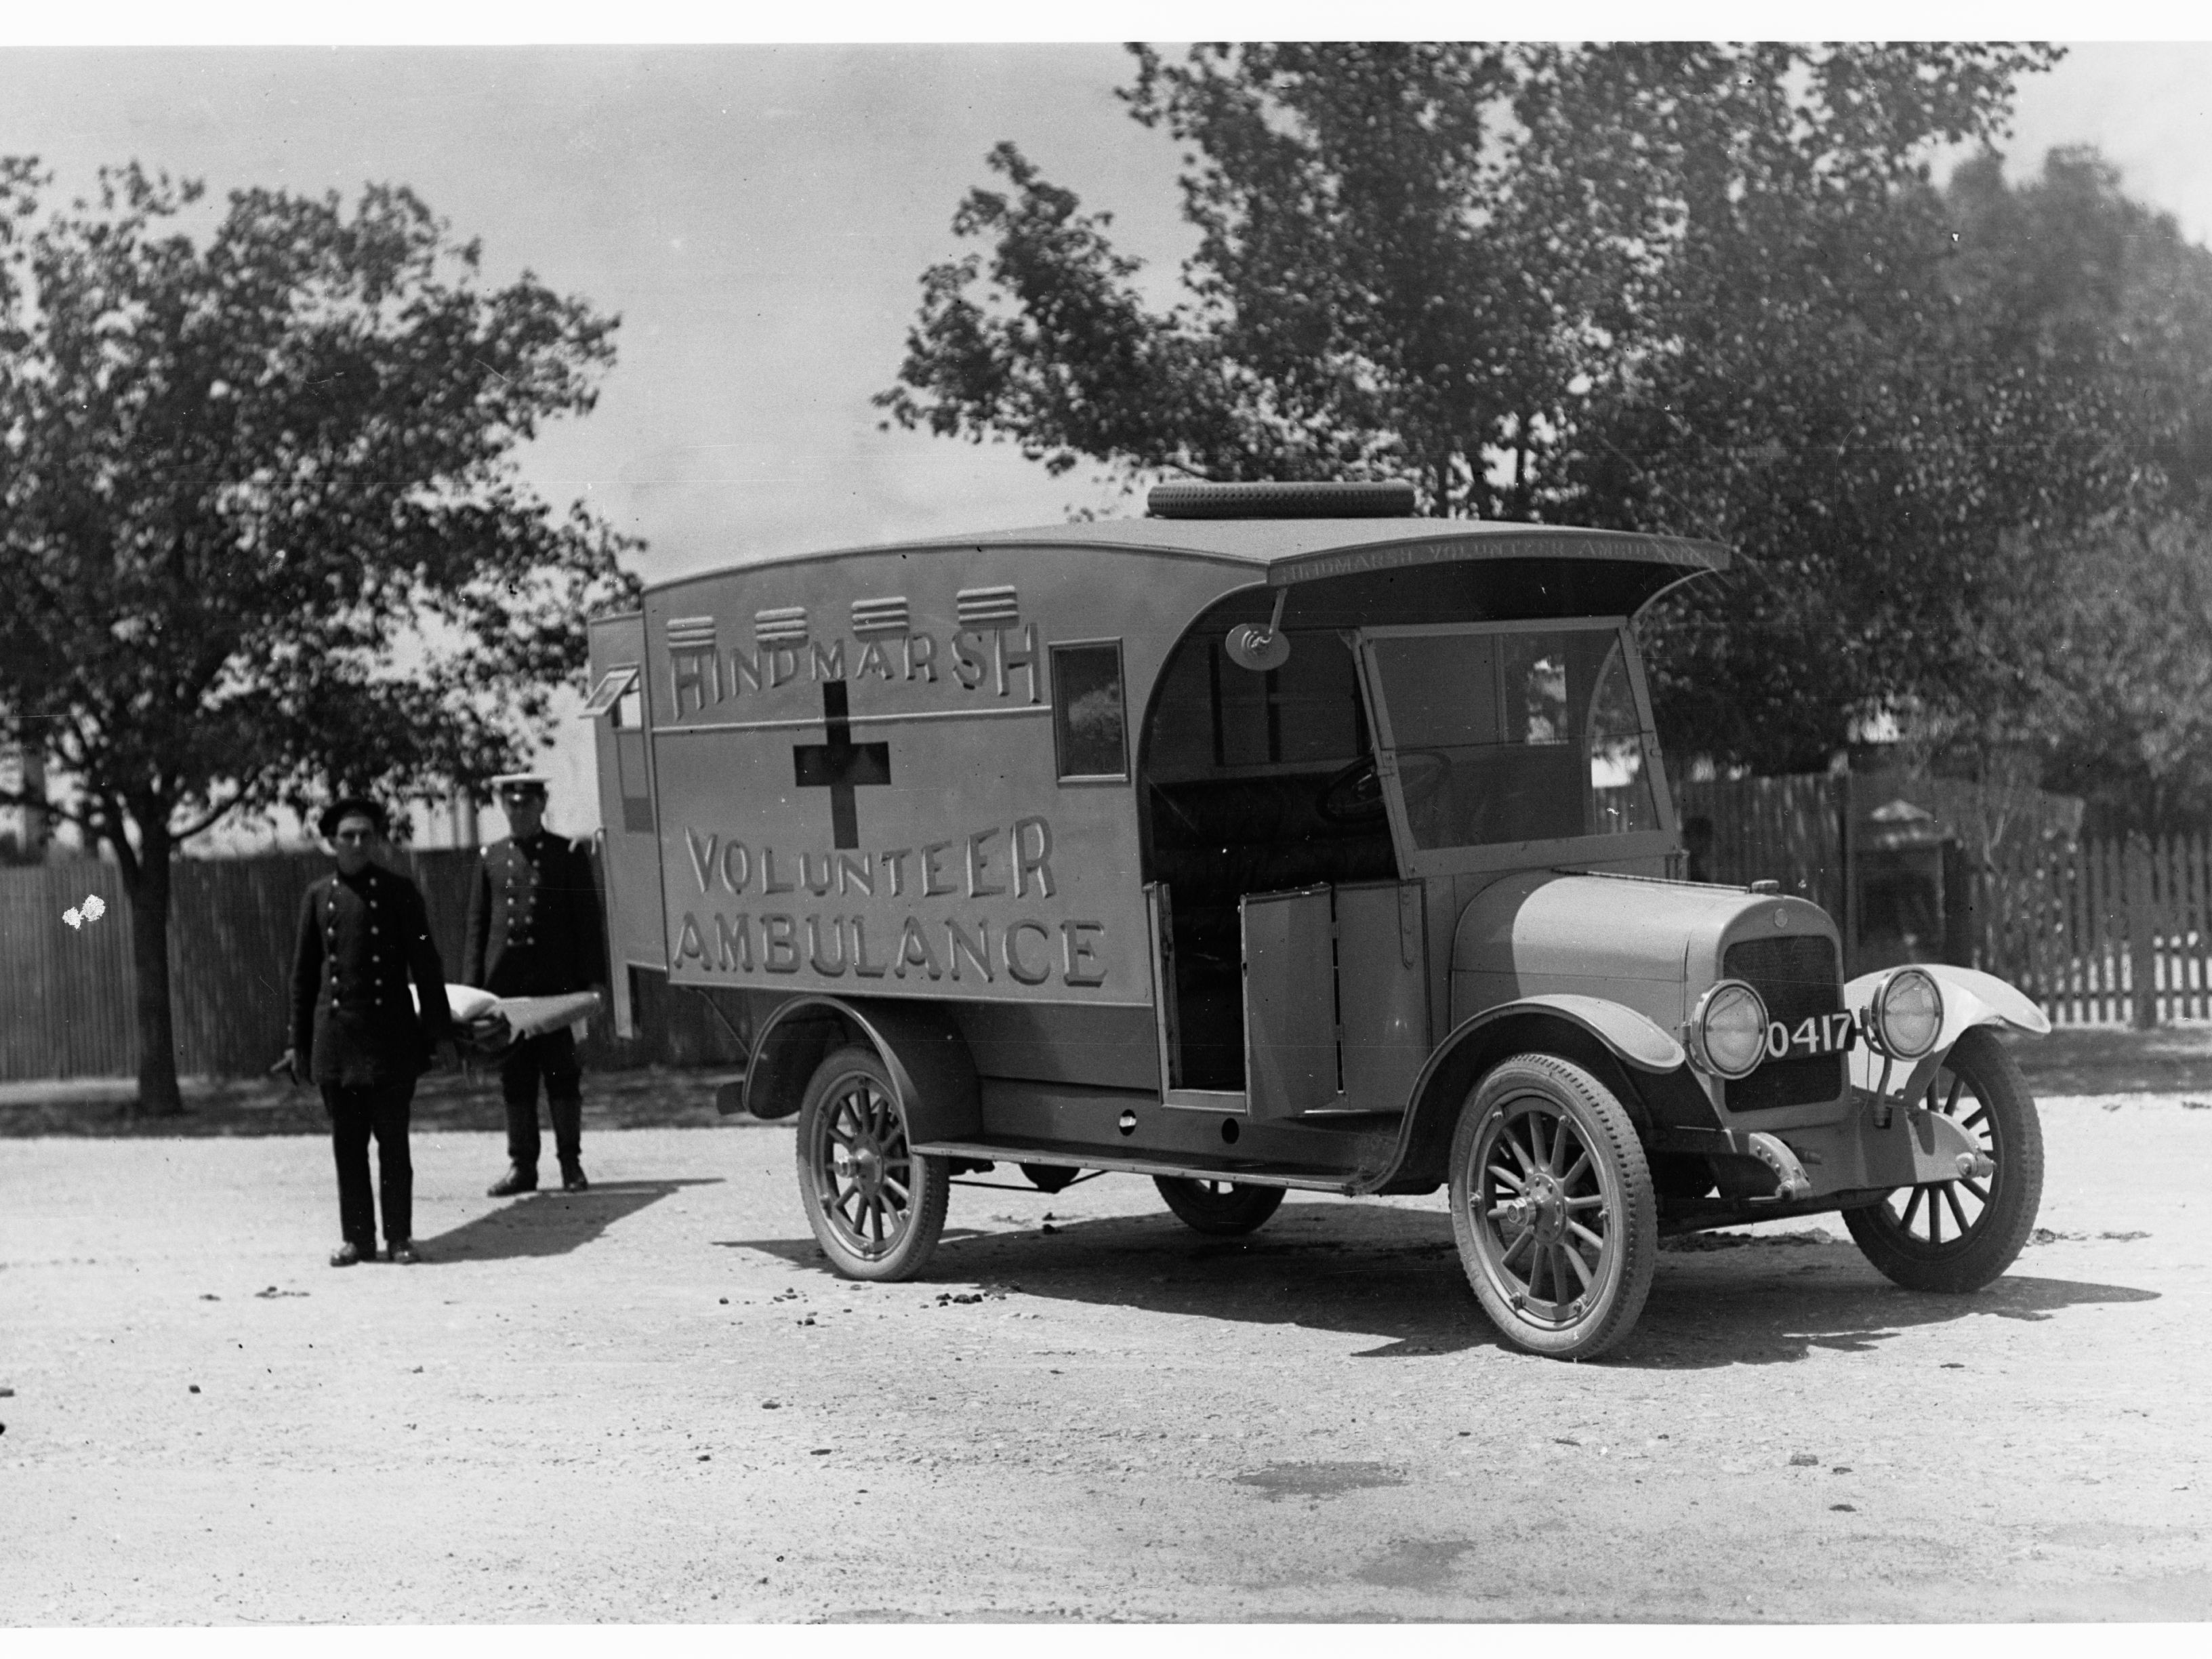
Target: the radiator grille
(1797, 974)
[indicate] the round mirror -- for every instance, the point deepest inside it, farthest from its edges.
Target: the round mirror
(1257, 650)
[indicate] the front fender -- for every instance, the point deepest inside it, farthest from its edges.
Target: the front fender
(1633, 1039)
(1589, 1030)
(1970, 998)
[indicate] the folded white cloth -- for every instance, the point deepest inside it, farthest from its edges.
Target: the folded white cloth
(495, 1022)
(467, 1002)
(535, 1016)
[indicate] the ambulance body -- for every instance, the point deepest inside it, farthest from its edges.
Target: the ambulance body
(1288, 842)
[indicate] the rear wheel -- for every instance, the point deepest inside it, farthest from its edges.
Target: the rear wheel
(876, 1206)
(1552, 1207)
(1222, 1207)
(1956, 1236)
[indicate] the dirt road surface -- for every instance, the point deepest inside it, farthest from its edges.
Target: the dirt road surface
(651, 1403)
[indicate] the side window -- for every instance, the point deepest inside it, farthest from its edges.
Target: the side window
(1622, 800)
(1089, 711)
(619, 702)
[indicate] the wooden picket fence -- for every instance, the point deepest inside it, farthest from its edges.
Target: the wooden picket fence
(67, 994)
(2101, 932)
(2124, 934)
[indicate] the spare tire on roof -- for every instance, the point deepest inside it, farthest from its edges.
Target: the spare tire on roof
(1389, 498)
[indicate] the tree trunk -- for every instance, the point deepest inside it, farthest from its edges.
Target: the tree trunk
(148, 887)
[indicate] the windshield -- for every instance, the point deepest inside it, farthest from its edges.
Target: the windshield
(1504, 736)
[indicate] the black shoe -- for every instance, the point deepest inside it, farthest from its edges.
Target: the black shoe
(572, 1179)
(346, 1255)
(404, 1253)
(518, 1178)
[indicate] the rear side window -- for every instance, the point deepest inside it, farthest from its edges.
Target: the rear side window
(1089, 711)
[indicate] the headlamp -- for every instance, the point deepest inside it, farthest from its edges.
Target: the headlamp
(1728, 1031)
(1908, 1013)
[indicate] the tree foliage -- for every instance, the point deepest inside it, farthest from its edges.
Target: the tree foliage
(1412, 257)
(1962, 374)
(262, 532)
(1706, 289)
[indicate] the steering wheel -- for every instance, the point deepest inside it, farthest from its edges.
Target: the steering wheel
(1354, 795)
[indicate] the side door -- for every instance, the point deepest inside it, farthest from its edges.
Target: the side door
(1335, 997)
(631, 847)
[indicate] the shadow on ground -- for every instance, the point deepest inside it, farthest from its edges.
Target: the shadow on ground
(1393, 1276)
(548, 1222)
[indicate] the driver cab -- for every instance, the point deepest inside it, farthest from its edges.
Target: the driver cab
(1302, 803)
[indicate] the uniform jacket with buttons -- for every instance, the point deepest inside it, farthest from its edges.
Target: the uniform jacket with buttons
(534, 928)
(362, 939)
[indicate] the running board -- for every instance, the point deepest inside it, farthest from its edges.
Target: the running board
(1189, 1167)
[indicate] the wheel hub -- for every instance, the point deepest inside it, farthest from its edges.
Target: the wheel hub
(862, 1162)
(1542, 1206)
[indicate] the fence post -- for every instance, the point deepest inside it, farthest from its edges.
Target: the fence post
(2143, 926)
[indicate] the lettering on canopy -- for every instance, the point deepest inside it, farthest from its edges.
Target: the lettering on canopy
(995, 656)
(899, 914)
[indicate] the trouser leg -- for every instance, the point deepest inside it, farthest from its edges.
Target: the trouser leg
(518, 1089)
(351, 1114)
(564, 1094)
(395, 1168)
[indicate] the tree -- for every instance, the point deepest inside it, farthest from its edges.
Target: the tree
(1705, 289)
(2116, 704)
(262, 532)
(2099, 622)
(1880, 416)
(1413, 257)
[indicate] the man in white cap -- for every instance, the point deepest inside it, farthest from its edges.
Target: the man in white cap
(534, 930)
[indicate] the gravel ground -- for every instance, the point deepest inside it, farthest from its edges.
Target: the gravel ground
(650, 1403)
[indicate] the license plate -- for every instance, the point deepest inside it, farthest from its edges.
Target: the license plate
(1815, 1034)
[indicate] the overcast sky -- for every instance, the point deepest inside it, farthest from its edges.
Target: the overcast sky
(758, 216)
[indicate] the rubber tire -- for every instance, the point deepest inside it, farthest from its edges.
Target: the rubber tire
(1603, 1126)
(1228, 1214)
(1957, 1266)
(929, 1185)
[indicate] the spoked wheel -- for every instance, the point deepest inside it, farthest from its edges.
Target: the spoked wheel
(1956, 1236)
(876, 1206)
(1221, 1207)
(1552, 1207)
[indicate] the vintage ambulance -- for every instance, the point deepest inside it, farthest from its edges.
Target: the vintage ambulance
(1277, 838)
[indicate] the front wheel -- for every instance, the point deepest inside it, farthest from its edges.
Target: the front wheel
(1224, 1208)
(876, 1206)
(1952, 1236)
(1552, 1207)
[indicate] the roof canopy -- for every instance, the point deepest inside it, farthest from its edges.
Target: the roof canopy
(1526, 569)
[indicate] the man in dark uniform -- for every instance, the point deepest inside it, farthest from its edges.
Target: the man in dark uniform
(363, 934)
(534, 930)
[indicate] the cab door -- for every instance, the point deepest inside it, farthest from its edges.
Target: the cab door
(1335, 997)
(1292, 1062)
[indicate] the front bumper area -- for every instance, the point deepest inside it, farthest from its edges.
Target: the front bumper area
(1876, 1142)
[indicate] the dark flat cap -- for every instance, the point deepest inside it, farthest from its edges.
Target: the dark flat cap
(350, 806)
